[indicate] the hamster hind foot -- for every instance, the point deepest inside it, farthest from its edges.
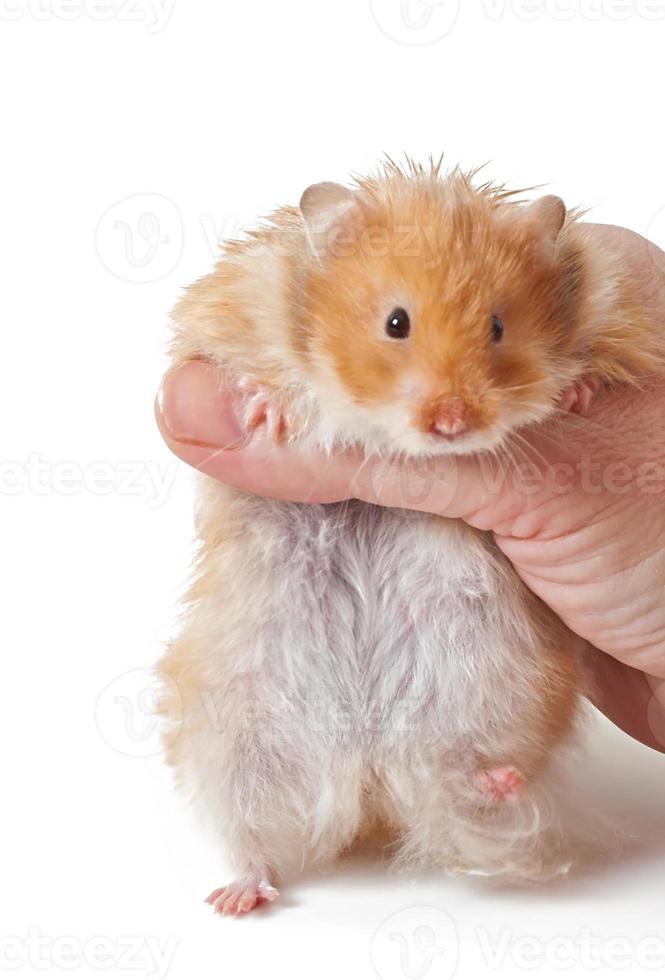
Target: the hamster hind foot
(242, 895)
(497, 785)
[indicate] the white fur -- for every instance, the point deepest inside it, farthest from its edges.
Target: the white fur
(355, 661)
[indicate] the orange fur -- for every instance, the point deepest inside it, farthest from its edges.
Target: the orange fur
(453, 254)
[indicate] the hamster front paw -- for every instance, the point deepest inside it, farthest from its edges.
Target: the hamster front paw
(242, 895)
(578, 396)
(262, 407)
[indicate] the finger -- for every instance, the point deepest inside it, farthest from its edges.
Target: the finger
(628, 698)
(642, 260)
(200, 422)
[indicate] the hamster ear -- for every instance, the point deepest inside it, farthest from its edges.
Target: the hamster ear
(325, 208)
(548, 215)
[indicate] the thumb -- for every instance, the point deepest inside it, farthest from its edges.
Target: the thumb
(201, 422)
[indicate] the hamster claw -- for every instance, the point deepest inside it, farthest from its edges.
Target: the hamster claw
(276, 422)
(578, 396)
(241, 896)
(260, 409)
(497, 785)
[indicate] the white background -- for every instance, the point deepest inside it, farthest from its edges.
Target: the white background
(135, 134)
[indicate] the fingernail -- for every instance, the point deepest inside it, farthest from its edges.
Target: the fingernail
(196, 410)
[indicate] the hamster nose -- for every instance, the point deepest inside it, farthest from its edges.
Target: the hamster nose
(452, 418)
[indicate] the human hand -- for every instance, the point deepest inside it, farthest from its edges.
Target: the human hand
(581, 514)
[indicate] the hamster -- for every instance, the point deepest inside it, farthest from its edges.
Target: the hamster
(346, 666)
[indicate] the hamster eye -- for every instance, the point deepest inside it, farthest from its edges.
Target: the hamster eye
(497, 328)
(398, 324)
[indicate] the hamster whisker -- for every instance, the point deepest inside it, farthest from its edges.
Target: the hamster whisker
(527, 448)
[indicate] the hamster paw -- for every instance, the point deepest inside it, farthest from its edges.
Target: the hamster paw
(242, 895)
(261, 408)
(578, 397)
(497, 785)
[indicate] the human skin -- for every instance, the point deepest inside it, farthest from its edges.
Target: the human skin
(578, 506)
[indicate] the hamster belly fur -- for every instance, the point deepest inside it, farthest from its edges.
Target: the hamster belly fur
(346, 663)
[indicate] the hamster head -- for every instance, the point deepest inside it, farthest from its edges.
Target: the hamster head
(439, 316)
